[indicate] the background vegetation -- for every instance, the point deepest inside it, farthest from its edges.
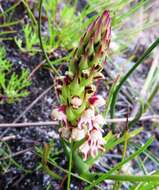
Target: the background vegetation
(35, 49)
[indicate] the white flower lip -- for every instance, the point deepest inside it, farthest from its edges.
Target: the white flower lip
(58, 114)
(78, 134)
(98, 122)
(94, 143)
(86, 118)
(65, 132)
(76, 102)
(85, 149)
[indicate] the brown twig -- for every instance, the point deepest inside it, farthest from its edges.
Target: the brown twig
(153, 118)
(27, 109)
(32, 104)
(16, 154)
(36, 68)
(63, 182)
(7, 138)
(29, 124)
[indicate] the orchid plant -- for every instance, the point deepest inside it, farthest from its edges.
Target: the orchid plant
(79, 110)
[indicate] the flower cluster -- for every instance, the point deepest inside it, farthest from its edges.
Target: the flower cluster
(79, 107)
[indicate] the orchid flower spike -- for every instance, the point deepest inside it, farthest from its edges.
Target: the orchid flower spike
(77, 91)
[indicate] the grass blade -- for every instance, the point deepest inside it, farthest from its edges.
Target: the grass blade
(142, 58)
(119, 165)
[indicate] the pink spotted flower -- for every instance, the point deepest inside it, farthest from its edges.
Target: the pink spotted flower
(59, 114)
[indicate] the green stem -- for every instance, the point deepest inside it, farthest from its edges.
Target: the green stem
(46, 152)
(52, 162)
(70, 167)
(79, 165)
(7, 24)
(150, 98)
(145, 178)
(10, 9)
(142, 58)
(8, 32)
(31, 15)
(40, 39)
(117, 183)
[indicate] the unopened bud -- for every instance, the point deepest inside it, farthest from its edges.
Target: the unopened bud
(58, 89)
(98, 68)
(69, 75)
(99, 76)
(83, 62)
(85, 74)
(90, 89)
(60, 80)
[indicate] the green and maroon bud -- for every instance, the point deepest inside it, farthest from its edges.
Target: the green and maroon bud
(69, 76)
(97, 68)
(85, 74)
(94, 43)
(83, 62)
(58, 89)
(98, 76)
(90, 89)
(60, 80)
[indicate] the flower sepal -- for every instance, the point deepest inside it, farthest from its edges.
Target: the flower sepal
(65, 94)
(76, 89)
(79, 110)
(85, 82)
(71, 116)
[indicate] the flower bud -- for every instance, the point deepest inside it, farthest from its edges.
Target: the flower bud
(98, 68)
(58, 89)
(94, 42)
(90, 89)
(69, 77)
(85, 74)
(99, 76)
(60, 80)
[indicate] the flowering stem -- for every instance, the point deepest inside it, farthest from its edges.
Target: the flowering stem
(115, 95)
(79, 165)
(40, 39)
(70, 167)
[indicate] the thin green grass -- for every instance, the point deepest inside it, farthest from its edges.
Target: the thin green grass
(119, 165)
